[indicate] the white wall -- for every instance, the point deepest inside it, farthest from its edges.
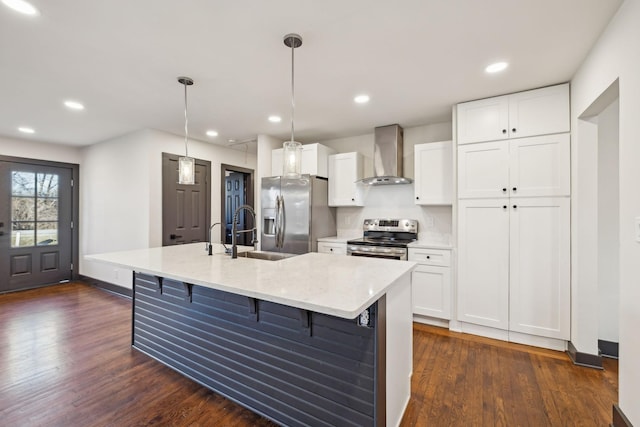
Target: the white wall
(395, 201)
(39, 150)
(616, 55)
(121, 194)
(608, 223)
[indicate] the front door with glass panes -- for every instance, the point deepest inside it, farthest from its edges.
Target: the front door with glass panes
(35, 225)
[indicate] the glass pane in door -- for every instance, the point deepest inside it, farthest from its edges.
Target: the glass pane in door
(34, 209)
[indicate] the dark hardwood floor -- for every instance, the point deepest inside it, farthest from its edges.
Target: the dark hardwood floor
(66, 360)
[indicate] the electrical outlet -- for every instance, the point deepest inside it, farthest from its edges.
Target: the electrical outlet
(637, 228)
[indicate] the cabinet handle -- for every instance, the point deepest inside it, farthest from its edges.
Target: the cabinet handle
(504, 131)
(353, 199)
(515, 188)
(428, 256)
(331, 249)
(513, 130)
(417, 198)
(504, 206)
(504, 190)
(515, 206)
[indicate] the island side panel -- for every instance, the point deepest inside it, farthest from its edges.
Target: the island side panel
(290, 365)
(399, 344)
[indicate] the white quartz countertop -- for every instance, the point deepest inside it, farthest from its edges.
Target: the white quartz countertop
(426, 244)
(336, 285)
(336, 239)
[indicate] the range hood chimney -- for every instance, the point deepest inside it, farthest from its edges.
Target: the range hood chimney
(387, 157)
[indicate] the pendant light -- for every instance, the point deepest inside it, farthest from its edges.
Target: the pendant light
(292, 150)
(186, 164)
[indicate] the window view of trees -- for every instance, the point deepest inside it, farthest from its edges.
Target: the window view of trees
(34, 209)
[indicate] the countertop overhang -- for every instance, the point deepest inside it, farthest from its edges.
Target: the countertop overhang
(340, 286)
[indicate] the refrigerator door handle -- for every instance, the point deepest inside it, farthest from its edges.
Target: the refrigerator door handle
(283, 222)
(278, 221)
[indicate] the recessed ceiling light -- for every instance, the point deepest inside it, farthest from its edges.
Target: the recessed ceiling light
(496, 67)
(361, 99)
(231, 141)
(25, 129)
(275, 119)
(212, 133)
(21, 6)
(74, 105)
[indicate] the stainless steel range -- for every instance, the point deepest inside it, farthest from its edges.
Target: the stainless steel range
(384, 238)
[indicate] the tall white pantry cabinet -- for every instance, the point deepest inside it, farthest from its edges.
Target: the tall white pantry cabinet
(513, 217)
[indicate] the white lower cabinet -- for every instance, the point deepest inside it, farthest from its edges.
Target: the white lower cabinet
(514, 261)
(332, 248)
(431, 282)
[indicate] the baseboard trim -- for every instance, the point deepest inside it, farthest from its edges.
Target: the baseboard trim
(619, 419)
(106, 286)
(608, 348)
(584, 359)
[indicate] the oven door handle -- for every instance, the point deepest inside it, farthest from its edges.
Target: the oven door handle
(377, 251)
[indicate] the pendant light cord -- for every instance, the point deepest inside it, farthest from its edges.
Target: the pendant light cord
(186, 123)
(293, 104)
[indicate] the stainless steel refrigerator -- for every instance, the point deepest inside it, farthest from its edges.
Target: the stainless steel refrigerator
(295, 213)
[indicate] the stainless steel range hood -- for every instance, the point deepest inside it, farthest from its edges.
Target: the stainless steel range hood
(387, 157)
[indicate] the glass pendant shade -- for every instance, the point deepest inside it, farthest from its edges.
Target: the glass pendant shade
(292, 159)
(186, 170)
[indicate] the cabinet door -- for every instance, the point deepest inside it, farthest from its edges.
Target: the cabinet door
(483, 120)
(344, 170)
(539, 267)
(433, 173)
(430, 291)
(539, 112)
(540, 166)
(483, 170)
(483, 268)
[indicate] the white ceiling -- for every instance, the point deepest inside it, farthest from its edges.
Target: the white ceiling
(415, 58)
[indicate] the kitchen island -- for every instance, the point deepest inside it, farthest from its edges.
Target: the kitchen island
(308, 340)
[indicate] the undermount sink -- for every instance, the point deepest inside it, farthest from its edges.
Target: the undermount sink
(269, 256)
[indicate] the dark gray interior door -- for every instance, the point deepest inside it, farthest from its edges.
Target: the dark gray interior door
(235, 194)
(186, 209)
(35, 225)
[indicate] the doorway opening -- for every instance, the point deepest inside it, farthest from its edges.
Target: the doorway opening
(603, 123)
(237, 189)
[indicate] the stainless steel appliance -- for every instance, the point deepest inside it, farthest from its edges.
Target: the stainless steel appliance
(387, 157)
(295, 213)
(384, 238)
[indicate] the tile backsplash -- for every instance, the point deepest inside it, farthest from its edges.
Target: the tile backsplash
(396, 201)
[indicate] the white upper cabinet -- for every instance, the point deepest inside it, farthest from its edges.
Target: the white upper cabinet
(540, 166)
(535, 112)
(433, 173)
(483, 120)
(525, 167)
(344, 170)
(483, 170)
(315, 160)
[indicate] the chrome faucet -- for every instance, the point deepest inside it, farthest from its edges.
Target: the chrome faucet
(235, 231)
(209, 246)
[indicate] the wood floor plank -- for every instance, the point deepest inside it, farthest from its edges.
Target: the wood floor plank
(66, 360)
